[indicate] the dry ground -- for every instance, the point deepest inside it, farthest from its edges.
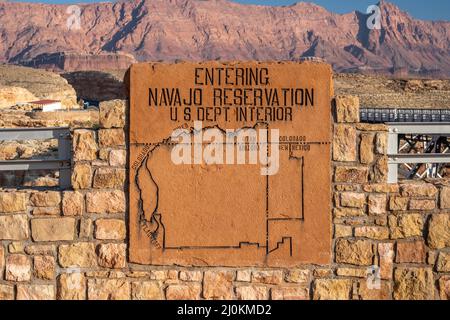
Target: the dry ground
(383, 92)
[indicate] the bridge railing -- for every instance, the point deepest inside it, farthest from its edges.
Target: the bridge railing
(62, 163)
(433, 151)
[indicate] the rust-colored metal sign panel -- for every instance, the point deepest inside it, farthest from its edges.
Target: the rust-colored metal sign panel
(230, 163)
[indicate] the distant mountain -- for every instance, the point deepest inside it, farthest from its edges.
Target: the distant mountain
(113, 35)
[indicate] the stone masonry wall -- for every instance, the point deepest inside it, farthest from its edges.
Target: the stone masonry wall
(73, 244)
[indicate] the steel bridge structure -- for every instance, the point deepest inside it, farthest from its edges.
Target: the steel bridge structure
(418, 141)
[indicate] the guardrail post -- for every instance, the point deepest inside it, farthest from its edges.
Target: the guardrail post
(64, 152)
(392, 149)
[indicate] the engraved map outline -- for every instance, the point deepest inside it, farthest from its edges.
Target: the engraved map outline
(155, 225)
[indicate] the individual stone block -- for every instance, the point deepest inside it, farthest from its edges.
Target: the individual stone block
(380, 171)
(218, 285)
(445, 198)
(348, 212)
(112, 255)
(112, 114)
(244, 275)
(381, 221)
(18, 268)
(117, 158)
(44, 267)
(38, 249)
(352, 272)
(418, 190)
(381, 188)
(411, 252)
(372, 127)
(137, 274)
(108, 178)
(377, 204)
(16, 247)
(80, 255)
(146, 290)
(110, 138)
(111, 274)
(172, 274)
(81, 176)
(345, 188)
(110, 229)
(302, 276)
(443, 262)
(159, 274)
(13, 202)
(439, 231)
(374, 293)
(372, 232)
(105, 202)
(73, 203)
(109, 289)
(252, 293)
(14, 227)
(71, 286)
(84, 145)
(46, 211)
(353, 200)
(444, 288)
(36, 292)
(406, 226)
(53, 229)
(413, 284)
(431, 257)
(386, 260)
(332, 289)
(45, 199)
(359, 252)
(267, 276)
(85, 228)
(188, 291)
(351, 174)
(381, 143)
(342, 231)
(344, 143)
(422, 205)
(191, 276)
(322, 273)
(398, 203)
(6, 292)
(103, 154)
(366, 154)
(347, 109)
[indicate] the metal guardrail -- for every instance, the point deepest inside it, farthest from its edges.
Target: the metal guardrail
(63, 163)
(435, 131)
(384, 115)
